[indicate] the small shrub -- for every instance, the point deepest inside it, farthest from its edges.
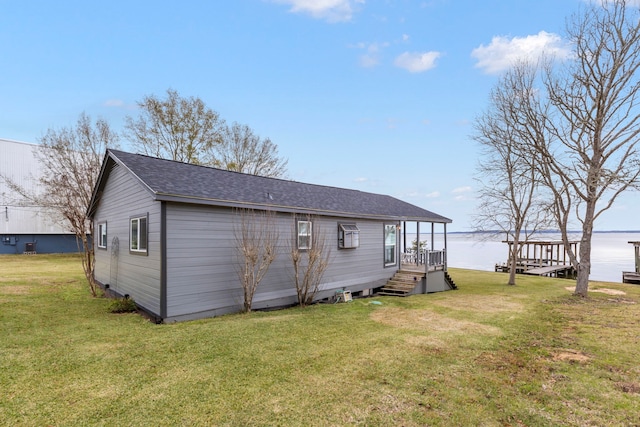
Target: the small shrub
(122, 305)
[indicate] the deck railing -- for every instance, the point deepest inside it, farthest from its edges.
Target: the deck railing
(432, 260)
(437, 259)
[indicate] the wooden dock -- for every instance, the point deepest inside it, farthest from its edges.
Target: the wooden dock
(633, 277)
(551, 271)
(542, 258)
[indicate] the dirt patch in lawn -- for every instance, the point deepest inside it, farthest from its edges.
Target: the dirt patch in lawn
(571, 356)
(601, 290)
(428, 320)
(14, 290)
(629, 387)
(486, 304)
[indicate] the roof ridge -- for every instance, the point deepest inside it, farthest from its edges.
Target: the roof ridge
(245, 174)
(172, 180)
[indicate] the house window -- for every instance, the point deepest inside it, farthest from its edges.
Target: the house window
(389, 244)
(102, 235)
(304, 234)
(348, 236)
(138, 234)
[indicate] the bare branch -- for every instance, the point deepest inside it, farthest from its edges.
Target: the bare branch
(593, 155)
(256, 243)
(70, 160)
(309, 264)
(241, 150)
(176, 128)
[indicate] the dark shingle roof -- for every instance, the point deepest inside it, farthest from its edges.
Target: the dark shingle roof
(175, 181)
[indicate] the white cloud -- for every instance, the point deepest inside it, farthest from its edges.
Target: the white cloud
(502, 52)
(114, 103)
(417, 62)
(392, 123)
(361, 179)
(420, 195)
(461, 194)
(331, 10)
(368, 60)
(373, 55)
(460, 190)
(405, 37)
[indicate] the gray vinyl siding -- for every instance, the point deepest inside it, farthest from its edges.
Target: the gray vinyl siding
(202, 258)
(357, 268)
(200, 272)
(125, 273)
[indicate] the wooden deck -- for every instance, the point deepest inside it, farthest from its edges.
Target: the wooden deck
(419, 268)
(542, 258)
(551, 271)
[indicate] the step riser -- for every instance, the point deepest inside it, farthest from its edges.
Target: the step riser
(401, 284)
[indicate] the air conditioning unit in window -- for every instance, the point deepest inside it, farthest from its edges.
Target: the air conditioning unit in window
(348, 236)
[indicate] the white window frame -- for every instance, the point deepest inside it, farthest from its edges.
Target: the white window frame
(139, 233)
(390, 247)
(102, 235)
(301, 235)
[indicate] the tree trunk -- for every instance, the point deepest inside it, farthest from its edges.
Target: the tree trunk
(584, 263)
(513, 259)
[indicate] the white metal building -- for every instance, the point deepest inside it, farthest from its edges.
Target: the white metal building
(25, 227)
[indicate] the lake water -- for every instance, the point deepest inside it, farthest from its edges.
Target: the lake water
(611, 254)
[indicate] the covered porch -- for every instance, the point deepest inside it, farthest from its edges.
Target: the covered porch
(418, 243)
(423, 269)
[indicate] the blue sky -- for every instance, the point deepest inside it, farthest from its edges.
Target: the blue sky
(378, 96)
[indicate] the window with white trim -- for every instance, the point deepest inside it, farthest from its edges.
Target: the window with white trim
(389, 244)
(348, 236)
(304, 234)
(102, 235)
(138, 234)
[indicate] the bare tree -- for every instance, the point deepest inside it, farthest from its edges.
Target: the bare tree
(256, 242)
(70, 160)
(594, 122)
(241, 150)
(309, 261)
(176, 128)
(511, 201)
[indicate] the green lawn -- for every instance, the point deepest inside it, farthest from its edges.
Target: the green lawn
(486, 354)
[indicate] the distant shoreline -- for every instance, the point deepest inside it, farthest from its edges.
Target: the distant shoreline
(539, 232)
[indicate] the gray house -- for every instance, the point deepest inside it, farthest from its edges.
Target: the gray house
(165, 235)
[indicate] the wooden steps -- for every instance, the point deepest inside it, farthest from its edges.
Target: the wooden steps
(401, 284)
(450, 281)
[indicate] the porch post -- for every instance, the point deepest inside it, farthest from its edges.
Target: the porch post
(433, 248)
(404, 236)
(445, 247)
(418, 243)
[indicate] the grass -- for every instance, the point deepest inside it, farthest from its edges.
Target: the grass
(486, 354)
